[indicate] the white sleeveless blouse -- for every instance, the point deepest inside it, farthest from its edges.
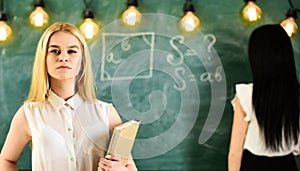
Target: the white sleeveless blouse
(254, 140)
(67, 135)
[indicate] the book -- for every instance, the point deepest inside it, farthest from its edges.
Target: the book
(122, 140)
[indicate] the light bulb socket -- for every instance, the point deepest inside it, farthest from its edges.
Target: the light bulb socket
(292, 12)
(188, 6)
(88, 13)
(3, 16)
(249, 0)
(39, 3)
(132, 3)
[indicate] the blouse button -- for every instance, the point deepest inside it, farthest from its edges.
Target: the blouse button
(69, 129)
(72, 159)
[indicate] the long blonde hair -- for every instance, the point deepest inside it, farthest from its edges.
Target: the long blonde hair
(40, 84)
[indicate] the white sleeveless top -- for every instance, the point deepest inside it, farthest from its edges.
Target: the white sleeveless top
(67, 135)
(254, 140)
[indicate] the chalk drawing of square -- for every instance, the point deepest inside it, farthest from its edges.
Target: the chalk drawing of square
(118, 46)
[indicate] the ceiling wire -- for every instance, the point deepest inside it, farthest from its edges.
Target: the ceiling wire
(87, 4)
(2, 6)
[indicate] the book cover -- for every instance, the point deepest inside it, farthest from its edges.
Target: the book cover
(122, 140)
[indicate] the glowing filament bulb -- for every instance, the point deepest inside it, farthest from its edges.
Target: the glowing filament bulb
(251, 12)
(89, 28)
(5, 31)
(39, 17)
(189, 22)
(290, 26)
(131, 16)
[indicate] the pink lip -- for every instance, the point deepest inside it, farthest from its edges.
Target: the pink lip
(63, 67)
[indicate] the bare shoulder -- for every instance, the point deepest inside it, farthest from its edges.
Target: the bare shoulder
(20, 122)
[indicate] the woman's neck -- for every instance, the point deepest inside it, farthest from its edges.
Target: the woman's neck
(64, 89)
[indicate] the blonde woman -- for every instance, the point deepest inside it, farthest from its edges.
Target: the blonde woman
(67, 125)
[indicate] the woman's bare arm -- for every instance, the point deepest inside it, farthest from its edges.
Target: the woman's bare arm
(238, 133)
(17, 138)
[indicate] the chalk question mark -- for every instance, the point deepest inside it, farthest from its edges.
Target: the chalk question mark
(211, 43)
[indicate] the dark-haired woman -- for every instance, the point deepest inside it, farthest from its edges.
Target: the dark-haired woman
(265, 128)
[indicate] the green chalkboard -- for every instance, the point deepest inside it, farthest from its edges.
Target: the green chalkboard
(179, 85)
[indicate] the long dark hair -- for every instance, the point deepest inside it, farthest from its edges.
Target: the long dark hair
(275, 86)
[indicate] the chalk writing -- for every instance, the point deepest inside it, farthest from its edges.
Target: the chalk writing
(178, 71)
(123, 48)
(110, 58)
(125, 44)
(211, 77)
(211, 43)
(170, 57)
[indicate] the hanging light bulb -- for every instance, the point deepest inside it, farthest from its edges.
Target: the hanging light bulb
(5, 30)
(39, 17)
(251, 12)
(89, 28)
(289, 23)
(189, 22)
(131, 16)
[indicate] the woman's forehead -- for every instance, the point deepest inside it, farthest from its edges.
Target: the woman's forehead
(64, 38)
